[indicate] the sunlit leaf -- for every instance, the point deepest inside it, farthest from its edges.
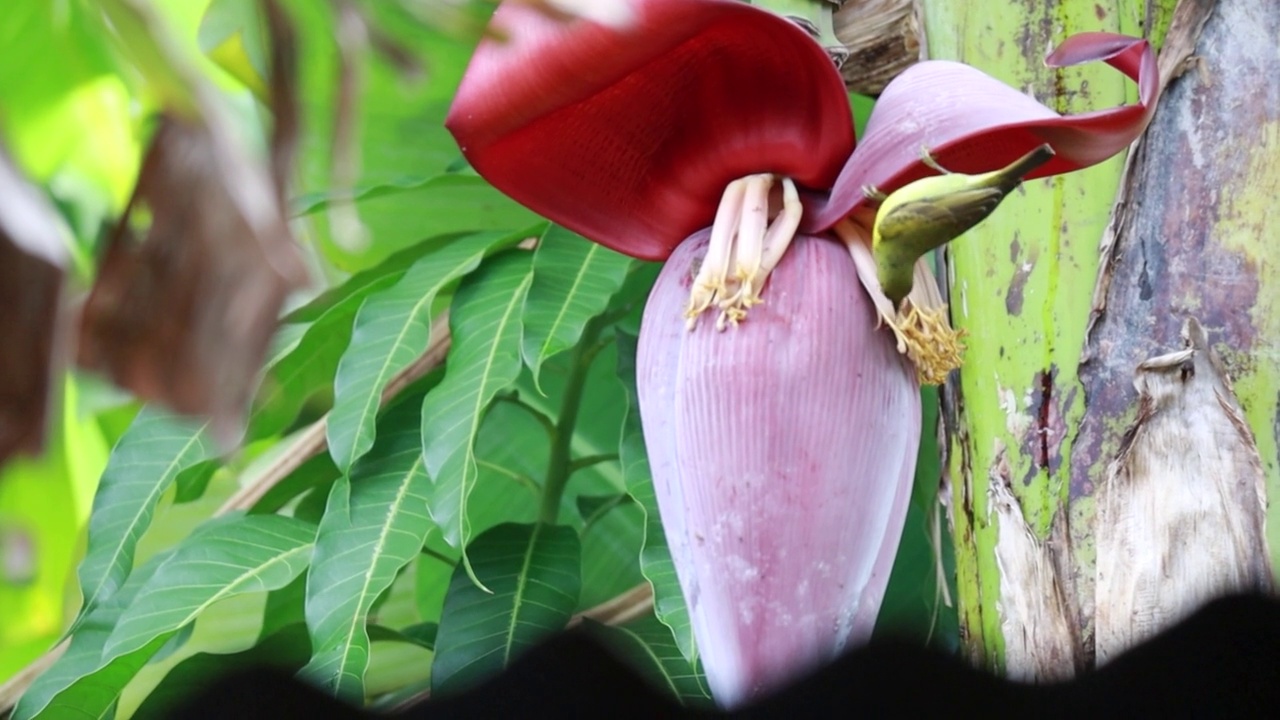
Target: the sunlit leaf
(155, 449)
(648, 646)
(655, 559)
(374, 525)
(47, 103)
(393, 328)
(44, 505)
(485, 321)
(533, 571)
(573, 281)
(222, 558)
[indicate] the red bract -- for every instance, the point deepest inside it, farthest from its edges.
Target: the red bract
(629, 136)
(783, 449)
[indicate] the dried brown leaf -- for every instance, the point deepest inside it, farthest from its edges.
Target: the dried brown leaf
(183, 315)
(1181, 514)
(32, 257)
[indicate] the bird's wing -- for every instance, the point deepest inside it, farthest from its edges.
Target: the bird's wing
(953, 213)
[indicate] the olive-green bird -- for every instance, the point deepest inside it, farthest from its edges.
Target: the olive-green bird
(929, 212)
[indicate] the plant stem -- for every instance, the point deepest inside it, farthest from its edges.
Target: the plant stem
(560, 465)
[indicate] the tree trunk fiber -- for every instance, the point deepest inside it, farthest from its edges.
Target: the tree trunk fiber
(1112, 437)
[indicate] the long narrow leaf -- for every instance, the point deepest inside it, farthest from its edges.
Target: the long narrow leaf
(534, 574)
(283, 650)
(573, 281)
(391, 330)
(376, 523)
(647, 644)
(655, 558)
(223, 558)
(79, 683)
(485, 320)
(154, 450)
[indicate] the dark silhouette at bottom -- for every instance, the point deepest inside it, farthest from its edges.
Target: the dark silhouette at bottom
(1222, 662)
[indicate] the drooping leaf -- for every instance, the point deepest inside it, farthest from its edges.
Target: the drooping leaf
(155, 449)
(79, 683)
(375, 524)
(573, 281)
(485, 321)
(533, 572)
(184, 317)
(655, 558)
(392, 328)
(648, 646)
(284, 650)
(225, 557)
(32, 259)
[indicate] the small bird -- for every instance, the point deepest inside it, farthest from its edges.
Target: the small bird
(929, 212)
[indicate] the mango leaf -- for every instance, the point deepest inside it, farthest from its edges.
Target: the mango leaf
(485, 358)
(533, 571)
(284, 650)
(374, 525)
(573, 280)
(611, 549)
(421, 634)
(224, 557)
(155, 449)
(391, 330)
(592, 507)
(79, 683)
(648, 646)
(399, 214)
(655, 558)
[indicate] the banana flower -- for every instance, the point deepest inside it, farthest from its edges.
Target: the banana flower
(781, 415)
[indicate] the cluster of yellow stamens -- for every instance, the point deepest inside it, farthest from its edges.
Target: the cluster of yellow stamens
(744, 248)
(748, 240)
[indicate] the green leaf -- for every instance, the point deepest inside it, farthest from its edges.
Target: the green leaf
(392, 329)
(422, 634)
(79, 683)
(573, 280)
(400, 214)
(533, 571)
(655, 558)
(284, 650)
(648, 646)
(224, 557)
(192, 482)
(374, 525)
(591, 507)
(155, 449)
(485, 358)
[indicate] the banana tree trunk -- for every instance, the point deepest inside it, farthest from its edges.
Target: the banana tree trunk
(1113, 433)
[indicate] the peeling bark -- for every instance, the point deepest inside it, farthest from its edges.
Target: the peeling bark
(884, 37)
(1039, 635)
(1181, 514)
